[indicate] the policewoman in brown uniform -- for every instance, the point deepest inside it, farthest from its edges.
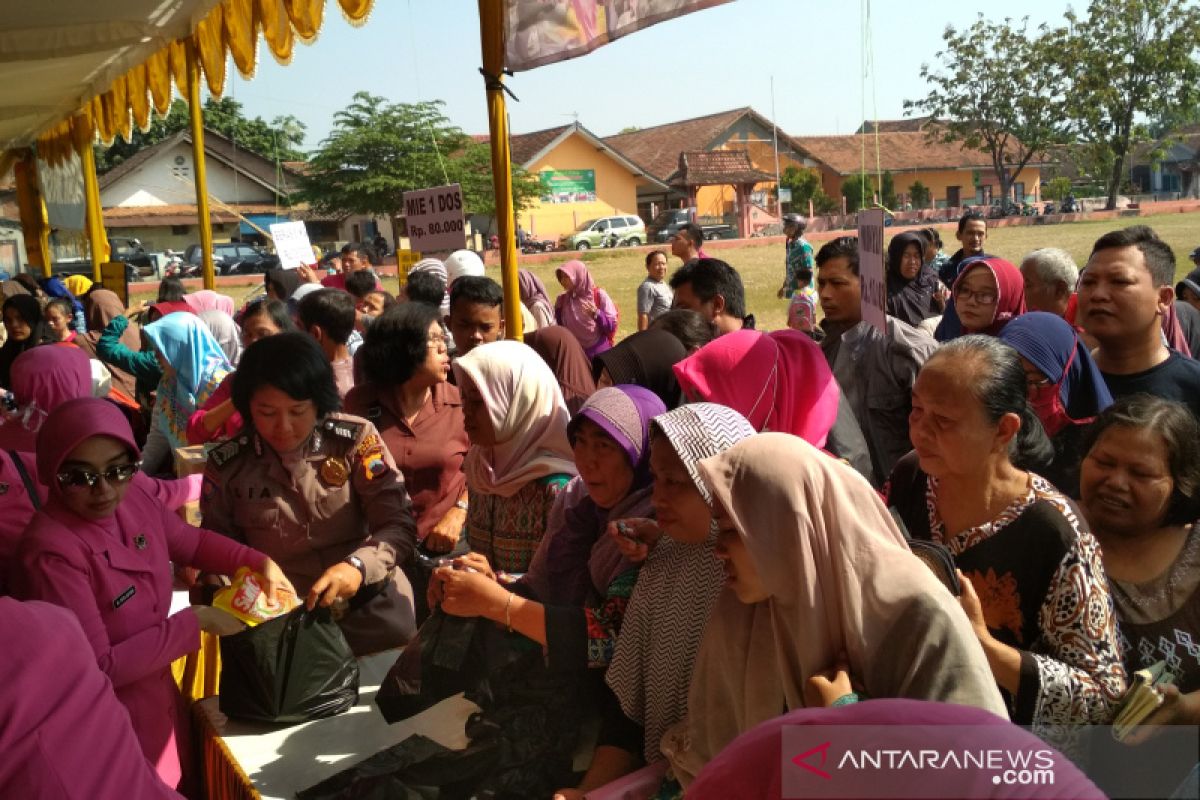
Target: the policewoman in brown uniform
(315, 490)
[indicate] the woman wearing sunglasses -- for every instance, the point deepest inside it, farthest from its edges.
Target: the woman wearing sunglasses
(102, 547)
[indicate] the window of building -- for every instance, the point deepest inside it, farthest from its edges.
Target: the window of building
(180, 230)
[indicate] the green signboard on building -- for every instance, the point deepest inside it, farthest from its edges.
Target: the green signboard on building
(568, 185)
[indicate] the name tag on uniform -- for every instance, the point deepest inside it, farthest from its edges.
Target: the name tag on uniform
(123, 597)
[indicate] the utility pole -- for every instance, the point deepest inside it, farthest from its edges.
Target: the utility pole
(775, 136)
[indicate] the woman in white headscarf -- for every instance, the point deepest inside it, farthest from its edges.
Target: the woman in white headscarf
(817, 574)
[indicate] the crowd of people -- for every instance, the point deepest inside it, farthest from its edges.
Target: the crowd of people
(990, 503)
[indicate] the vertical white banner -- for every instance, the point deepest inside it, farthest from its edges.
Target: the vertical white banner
(870, 268)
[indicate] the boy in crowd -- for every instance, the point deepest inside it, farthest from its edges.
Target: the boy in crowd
(476, 313)
(328, 315)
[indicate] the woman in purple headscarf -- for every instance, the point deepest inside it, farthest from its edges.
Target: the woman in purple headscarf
(585, 309)
(533, 295)
(578, 574)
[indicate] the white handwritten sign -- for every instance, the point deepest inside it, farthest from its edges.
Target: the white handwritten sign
(292, 245)
(870, 268)
(435, 219)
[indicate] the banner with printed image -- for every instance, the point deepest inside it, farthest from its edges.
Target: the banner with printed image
(540, 32)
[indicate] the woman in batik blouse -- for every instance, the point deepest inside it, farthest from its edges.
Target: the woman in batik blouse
(1034, 585)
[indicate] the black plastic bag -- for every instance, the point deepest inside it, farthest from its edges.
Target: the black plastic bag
(436, 664)
(292, 669)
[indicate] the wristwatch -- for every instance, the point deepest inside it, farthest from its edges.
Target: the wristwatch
(358, 564)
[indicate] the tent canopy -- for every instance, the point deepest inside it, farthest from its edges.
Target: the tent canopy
(102, 66)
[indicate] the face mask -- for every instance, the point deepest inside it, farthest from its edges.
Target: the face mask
(1047, 400)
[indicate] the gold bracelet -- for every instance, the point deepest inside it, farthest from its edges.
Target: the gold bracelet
(507, 607)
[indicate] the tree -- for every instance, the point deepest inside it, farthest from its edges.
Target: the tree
(277, 140)
(887, 193)
(999, 90)
(919, 194)
(378, 150)
(1127, 58)
(1056, 188)
(474, 172)
(858, 193)
(806, 185)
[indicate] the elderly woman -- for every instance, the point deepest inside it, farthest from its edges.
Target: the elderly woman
(912, 285)
(808, 591)
(676, 589)
(579, 578)
(317, 490)
(1066, 389)
(1035, 587)
(520, 458)
(1140, 482)
(1141, 495)
(216, 419)
(103, 547)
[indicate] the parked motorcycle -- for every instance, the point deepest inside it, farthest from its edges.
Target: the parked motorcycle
(536, 246)
(1070, 205)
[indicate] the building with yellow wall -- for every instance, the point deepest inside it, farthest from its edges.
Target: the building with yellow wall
(955, 176)
(585, 179)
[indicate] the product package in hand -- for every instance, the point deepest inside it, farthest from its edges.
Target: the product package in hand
(246, 599)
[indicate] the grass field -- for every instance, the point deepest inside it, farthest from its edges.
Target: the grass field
(761, 265)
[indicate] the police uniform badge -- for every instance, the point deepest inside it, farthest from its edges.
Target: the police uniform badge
(334, 471)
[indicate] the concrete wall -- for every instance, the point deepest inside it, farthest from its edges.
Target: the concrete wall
(616, 189)
(162, 181)
(938, 183)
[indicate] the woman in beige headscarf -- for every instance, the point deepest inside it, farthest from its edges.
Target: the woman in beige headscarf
(520, 458)
(817, 574)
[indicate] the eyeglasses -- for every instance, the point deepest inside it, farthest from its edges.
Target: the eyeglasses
(80, 478)
(436, 342)
(985, 297)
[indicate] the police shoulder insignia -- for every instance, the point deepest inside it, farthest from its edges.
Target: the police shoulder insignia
(226, 452)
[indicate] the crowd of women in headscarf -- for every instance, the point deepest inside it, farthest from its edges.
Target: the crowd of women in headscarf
(669, 523)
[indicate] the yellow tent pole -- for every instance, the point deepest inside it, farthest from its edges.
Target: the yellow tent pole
(491, 34)
(196, 114)
(97, 239)
(35, 223)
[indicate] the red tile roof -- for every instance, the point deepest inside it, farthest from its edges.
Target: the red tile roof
(185, 214)
(525, 146)
(658, 148)
(716, 167)
(898, 152)
(893, 125)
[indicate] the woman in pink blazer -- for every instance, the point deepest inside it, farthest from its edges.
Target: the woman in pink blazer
(102, 546)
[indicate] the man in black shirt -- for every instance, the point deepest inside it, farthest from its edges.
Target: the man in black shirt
(1123, 293)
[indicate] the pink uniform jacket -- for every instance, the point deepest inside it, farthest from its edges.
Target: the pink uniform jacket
(115, 575)
(63, 734)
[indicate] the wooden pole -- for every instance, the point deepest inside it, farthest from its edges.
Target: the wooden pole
(491, 35)
(97, 239)
(196, 117)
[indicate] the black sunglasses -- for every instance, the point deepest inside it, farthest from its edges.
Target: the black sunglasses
(80, 478)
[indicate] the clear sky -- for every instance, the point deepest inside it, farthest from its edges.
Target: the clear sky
(706, 62)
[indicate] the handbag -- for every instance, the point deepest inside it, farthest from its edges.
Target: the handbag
(292, 669)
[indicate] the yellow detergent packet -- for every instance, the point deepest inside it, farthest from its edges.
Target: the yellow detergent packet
(246, 599)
